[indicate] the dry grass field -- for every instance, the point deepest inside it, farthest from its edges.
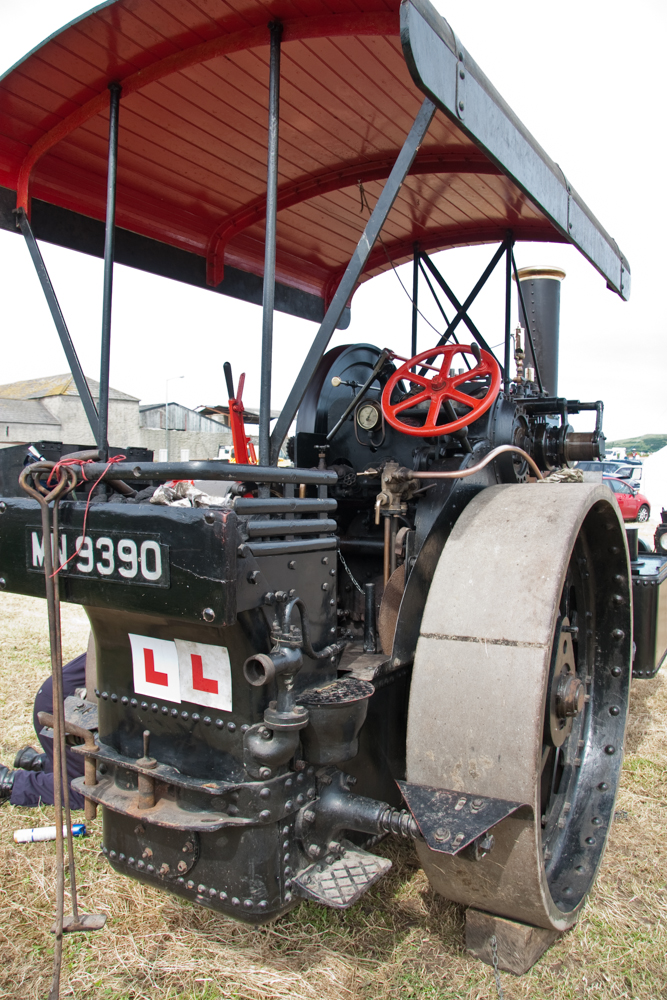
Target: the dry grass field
(401, 941)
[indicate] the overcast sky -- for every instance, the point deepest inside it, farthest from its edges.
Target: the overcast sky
(586, 78)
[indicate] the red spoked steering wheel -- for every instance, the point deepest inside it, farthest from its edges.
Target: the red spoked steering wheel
(440, 387)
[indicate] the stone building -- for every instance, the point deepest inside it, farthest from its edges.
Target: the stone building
(50, 409)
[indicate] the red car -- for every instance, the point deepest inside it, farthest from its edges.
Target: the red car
(634, 506)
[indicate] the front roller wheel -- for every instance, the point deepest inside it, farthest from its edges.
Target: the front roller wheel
(520, 692)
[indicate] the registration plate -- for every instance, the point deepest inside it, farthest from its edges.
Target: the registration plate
(113, 556)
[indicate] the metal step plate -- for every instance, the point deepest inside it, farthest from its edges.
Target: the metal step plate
(342, 882)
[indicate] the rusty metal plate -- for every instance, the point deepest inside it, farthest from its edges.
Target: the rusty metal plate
(448, 820)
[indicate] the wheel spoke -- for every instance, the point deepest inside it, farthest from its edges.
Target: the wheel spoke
(410, 401)
(433, 411)
(460, 397)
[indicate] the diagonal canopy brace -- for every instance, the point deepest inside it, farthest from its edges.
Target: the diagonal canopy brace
(59, 320)
(462, 310)
(353, 272)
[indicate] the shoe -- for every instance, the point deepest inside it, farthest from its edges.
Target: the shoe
(6, 782)
(28, 759)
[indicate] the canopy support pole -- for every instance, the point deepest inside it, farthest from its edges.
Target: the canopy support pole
(59, 320)
(353, 272)
(109, 251)
(528, 330)
(415, 293)
(508, 311)
(269, 288)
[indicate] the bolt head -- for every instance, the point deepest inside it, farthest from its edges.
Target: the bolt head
(314, 851)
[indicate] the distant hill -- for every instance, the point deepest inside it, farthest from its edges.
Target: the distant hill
(649, 443)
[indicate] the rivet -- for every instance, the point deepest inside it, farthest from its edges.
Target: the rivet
(265, 793)
(618, 634)
(332, 572)
(184, 716)
(195, 717)
(174, 713)
(206, 720)
(248, 904)
(105, 695)
(286, 857)
(219, 723)
(112, 854)
(580, 869)
(208, 614)
(130, 860)
(165, 710)
(603, 786)
(223, 895)
(590, 841)
(615, 671)
(201, 888)
(244, 728)
(617, 599)
(288, 897)
(150, 868)
(190, 884)
(114, 697)
(301, 798)
(144, 706)
(614, 710)
(325, 586)
(609, 749)
(289, 805)
(133, 702)
(124, 700)
(265, 815)
(236, 901)
(288, 870)
(325, 560)
(461, 106)
(596, 821)
(231, 726)
(121, 857)
(3, 583)
(289, 783)
(567, 891)
(212, 892)
(141, 864)
(262, 904)
(209, 517)
(291, 564)
(265, 772)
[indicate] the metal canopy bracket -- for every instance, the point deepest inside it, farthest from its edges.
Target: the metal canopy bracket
(353, 272)
(59, 320)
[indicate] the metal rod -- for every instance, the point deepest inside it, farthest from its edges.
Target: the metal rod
(269, 287)
(379, 365)
(462, 310)
(508, 313)
(353, 272)
(218, 471)
(370, 631)
(415, 293)
(387, 549)
(444, 316)
(109, 250)
(528, 330)
(59, 320)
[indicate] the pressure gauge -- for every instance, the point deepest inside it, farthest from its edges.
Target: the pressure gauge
(368, 416)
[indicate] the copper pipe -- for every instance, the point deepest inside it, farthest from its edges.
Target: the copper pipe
(463, 473)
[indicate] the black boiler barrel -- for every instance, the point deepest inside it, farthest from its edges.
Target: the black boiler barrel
(541, 295)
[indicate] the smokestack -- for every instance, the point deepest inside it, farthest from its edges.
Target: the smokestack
(541, 294)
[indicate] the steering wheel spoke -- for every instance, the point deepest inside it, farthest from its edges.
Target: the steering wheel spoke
(440, 388)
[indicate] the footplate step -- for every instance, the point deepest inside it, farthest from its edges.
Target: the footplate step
(342, 882)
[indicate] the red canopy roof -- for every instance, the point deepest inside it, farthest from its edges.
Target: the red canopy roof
(193, 136)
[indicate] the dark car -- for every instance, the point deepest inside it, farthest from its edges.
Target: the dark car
(634, 506)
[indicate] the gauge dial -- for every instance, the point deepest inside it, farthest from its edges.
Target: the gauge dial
(368, 416)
